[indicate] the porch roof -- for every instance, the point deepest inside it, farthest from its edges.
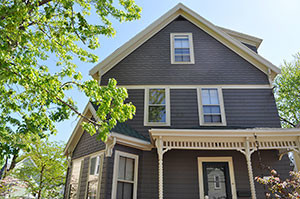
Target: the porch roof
(227, 139)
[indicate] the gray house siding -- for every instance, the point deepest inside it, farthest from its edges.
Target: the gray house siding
(214, 63)
(243, 108)
(181, 171)
(84, 177)
(87, 145)
(251, 108)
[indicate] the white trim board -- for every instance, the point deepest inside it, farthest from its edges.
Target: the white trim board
(224, 86)
(220, 35)
(216, 159)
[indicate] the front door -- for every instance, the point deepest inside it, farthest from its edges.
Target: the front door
(216, 180)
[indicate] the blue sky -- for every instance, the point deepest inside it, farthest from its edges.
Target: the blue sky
(274, 21)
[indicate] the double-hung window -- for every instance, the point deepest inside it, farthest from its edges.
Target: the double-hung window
(211, 107)
(75, 176)
(125, 176)
(157, 107)
(94, 176)
(182, 51)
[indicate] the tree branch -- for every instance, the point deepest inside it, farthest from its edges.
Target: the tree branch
(286, 121)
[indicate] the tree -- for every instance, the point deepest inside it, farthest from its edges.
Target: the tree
(33, 94)
(44, 177)
(278, 188)
(287, 93)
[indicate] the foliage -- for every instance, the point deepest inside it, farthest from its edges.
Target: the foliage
(289, 188)
(32, 92)
(44, 176)
(287, 93)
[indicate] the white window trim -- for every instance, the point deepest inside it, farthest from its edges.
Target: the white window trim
(81, 160)
(200, 107)
(216, 159)
(101, 154)
(146, 108)
(192, 58)
(116, 170)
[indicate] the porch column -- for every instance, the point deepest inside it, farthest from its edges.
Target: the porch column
(296, 154)
(247, 152)
(160, 153)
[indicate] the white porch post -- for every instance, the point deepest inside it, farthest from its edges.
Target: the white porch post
(248, 154)
(160, 152)
(159, 145)
(296, 154)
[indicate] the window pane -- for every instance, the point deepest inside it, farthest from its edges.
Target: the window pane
(129, 169)
(216, 118)
(211, 109)
(212, 118)
(179, 51)
(214, 98)
(209, 96)
(93, 165)
(182, 42)
(98, 165)
(122, 163)
(157, 114)
(157, 96)
(120, 190)
(182, 58)
(128, 191)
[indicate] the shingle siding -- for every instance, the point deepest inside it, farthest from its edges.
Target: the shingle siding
(87, 145)
(214, 63)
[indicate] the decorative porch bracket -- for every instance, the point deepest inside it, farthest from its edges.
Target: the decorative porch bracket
(109, 146)
(160, 153)
(248, 152)
(296, 154)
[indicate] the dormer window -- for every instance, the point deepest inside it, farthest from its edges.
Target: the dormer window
(182, 51)
(157, 107)
(211, 107)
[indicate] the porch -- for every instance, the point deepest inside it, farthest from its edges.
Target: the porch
(214, 150)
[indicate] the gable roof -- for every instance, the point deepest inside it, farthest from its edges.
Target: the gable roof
(229, 38)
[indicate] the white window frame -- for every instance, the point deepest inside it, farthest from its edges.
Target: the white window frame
(190, 36)
(101, 156)
(116, 172)
(146, 108)
(216, 159)
(221, 103)
(79, 177)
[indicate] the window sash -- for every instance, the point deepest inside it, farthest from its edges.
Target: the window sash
(182, 51)
(211, 106)
(117, 180)
(157, 114)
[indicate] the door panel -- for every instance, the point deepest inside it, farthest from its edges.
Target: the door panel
(216, 180)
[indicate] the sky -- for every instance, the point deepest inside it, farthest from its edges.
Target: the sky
(275, 21)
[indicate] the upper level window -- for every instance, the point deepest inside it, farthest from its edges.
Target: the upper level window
(211, 106)
(157, 107)
(75, 176)
(93, 177)
(182, 51)
(125, 176)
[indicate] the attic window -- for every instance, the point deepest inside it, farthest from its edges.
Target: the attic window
(182, 51)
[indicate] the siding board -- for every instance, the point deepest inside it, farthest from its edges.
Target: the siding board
(150, 64)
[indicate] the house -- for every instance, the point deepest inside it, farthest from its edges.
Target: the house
(206, 121)
(17, 188)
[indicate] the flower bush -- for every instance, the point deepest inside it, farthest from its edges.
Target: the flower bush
(278, 188)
